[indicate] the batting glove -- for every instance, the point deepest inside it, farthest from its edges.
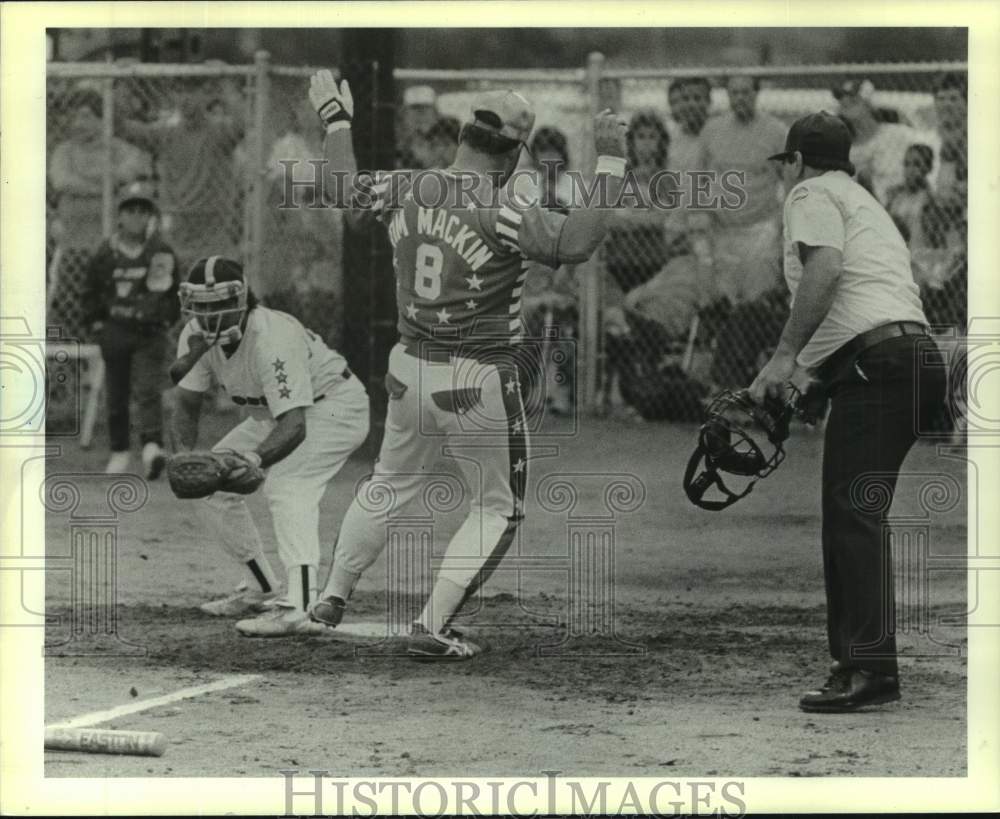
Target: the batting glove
(334, 104)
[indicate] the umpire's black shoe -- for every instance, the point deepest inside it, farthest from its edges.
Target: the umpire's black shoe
(849, 689)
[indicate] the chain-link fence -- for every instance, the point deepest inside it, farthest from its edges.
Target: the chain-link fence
(677, 302)
(697, 301)
(211, 140)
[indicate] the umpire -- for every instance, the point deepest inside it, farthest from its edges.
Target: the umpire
(857, 326)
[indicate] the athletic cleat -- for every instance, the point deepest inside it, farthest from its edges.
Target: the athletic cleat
(153, 460)
(329, 611)
(240, 604)
(447, 645)
(282, 621)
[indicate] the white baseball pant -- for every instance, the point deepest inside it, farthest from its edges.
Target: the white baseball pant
(335, 427)
(466, 409)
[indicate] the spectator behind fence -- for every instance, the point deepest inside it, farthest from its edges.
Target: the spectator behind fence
(418, 116)
(195, 157)
(690, 99)
(641, 239)
(879, 146)
(301, 235)
(551, 300)
(905, 202)
(653, 288)
(746, 241)
(944, 220)
(952, 114)
(442, 139)
(78, 167)
(129, 302)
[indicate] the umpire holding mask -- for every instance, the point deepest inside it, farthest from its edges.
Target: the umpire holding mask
(858, 328)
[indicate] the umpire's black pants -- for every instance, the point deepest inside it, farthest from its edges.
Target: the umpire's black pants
(880, 400)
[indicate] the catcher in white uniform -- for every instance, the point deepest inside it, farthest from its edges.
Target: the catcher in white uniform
(307, 414)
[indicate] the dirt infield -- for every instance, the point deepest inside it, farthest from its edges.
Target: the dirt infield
(713, 626)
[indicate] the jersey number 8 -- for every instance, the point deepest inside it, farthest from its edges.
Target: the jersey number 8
(430, 260)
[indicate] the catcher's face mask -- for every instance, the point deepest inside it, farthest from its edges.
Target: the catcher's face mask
(216, 308)
(728, 443)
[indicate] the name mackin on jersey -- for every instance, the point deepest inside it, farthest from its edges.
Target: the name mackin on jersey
(446, 227)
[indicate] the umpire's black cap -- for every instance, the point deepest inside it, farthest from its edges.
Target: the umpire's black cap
(821, 136)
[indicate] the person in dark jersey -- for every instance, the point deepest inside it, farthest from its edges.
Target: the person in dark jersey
(130, 302)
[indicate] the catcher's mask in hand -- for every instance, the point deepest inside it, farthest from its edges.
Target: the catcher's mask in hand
(215, 295)
(728, 442)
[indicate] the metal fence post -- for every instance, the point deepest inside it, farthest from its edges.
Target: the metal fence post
(107, 135)
(257, 201)
(589, 273)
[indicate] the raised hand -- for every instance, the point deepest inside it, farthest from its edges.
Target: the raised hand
(334, 104)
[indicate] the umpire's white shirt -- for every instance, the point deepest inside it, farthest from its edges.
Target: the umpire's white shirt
(876, 285)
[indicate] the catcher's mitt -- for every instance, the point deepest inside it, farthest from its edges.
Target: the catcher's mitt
(199, 474)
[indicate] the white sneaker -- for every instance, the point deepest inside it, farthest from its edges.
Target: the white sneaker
(119, 462)
(282, 621)
(153, 460)
(243, 602)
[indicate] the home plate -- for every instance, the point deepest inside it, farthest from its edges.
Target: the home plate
(367, 632)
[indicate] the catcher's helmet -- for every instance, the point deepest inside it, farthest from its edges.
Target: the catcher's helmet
(726, 443)
(214, 289)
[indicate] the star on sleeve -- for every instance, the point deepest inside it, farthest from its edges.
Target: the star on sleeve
(282, 367)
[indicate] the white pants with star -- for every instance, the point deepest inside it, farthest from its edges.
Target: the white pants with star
(466, 410)
(335, 427)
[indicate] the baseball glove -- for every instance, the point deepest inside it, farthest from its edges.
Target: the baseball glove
(199, 474)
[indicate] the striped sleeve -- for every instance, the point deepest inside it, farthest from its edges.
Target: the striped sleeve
(382, 193)
(528, 229)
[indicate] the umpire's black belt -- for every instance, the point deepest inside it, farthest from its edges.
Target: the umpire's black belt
(846, 354)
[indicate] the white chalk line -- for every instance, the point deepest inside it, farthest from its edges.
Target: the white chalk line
(96, 717)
